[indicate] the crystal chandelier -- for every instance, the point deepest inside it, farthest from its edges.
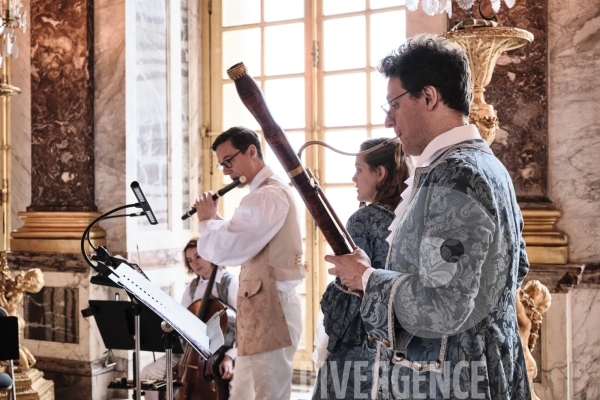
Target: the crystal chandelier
(433, 7)
(11, 21)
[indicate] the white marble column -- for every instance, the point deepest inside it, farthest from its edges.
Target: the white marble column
(574, 127)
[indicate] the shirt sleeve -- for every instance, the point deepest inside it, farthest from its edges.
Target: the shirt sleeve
(255, 222)
(232, 352)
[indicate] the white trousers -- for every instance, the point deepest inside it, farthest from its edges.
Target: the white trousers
(268, 375)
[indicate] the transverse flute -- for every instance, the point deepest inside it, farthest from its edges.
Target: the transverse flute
(237, 182)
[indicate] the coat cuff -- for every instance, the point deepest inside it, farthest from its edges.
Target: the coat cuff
(377, 308)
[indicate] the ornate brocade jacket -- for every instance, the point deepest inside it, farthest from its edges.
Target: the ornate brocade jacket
(443, 312)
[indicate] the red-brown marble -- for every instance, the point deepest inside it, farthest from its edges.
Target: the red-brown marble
(62, 106)
(518, 92)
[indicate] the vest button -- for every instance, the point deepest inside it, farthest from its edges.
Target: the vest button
(246, 294)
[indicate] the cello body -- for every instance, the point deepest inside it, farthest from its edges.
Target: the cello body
(201, 379)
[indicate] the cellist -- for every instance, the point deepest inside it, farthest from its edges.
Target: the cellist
(263, 236)
(225, 289)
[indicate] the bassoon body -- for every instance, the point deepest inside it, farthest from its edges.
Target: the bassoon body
(307, 186)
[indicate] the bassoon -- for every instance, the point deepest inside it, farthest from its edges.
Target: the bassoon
(302, 178)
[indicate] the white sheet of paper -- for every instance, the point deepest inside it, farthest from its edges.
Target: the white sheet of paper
(184, 322)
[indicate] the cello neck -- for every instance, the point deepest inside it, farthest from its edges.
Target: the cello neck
(207, 293)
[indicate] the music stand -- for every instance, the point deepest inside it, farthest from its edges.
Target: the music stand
(204, 338)
(116, 323)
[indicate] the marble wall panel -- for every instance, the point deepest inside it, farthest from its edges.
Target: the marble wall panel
(585, 364)
(62, 139)
(518, 92)
(110, 116)
(574, 127)
(52, 315)
(20, 179)
(556, 349)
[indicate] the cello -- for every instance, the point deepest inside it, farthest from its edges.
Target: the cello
(201, 378)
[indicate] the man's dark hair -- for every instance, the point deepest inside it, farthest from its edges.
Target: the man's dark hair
(431, 60)
(241, 138)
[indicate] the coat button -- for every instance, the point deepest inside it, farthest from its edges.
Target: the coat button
(246, 294)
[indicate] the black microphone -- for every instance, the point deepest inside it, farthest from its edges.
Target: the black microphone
(220, 193)
(139, 195)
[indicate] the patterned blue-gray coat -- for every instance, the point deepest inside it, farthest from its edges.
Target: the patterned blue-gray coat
(443, 312)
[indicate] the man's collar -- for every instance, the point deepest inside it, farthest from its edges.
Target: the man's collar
(260, 177)
(447, 139)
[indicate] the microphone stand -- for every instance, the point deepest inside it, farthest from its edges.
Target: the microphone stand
(168, 343)
(104, 261)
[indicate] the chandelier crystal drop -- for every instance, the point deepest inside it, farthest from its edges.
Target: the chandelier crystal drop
(12, 19)
(433, 7)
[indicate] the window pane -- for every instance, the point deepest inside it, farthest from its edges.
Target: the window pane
(185, 114)
(328, 250)
(301, 213)
(151, 108)
(241, 12)
(345, 43)
(296, 140)
(340, 168)
(285, 98)
(386, 3)
(378, 97)
(342, 6)
(343, 201)
(383, 132)
(278, 10)
(345, 100)
(388, 31)
(235, 112)
(242, 45)
(284, 49)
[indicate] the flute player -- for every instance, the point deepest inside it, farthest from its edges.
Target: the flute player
(263, 236)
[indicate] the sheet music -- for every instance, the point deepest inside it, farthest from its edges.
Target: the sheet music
(184, 322)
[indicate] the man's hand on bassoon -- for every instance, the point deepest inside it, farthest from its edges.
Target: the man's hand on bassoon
(350, 268)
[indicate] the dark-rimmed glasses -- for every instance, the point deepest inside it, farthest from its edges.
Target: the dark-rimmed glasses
(386, 107)
(227, 162)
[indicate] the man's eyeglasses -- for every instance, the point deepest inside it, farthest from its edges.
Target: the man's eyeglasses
(386, 107)
(227, 162)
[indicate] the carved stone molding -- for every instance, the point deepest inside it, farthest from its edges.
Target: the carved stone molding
(557, 278)
(55, 232)
(545, 243)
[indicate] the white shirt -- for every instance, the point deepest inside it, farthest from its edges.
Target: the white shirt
(433, 150)
(255, 222)
(234, 284)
